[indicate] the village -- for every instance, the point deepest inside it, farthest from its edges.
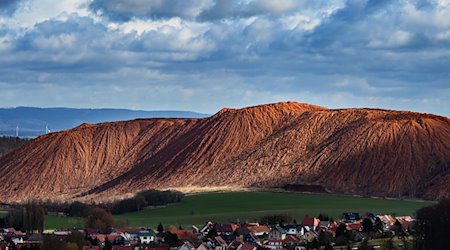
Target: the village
(352, 231)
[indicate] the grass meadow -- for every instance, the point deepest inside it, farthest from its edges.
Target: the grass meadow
(250, 206)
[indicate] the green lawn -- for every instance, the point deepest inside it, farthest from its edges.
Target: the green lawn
(3, 213)
(57, 222)
(249, 206)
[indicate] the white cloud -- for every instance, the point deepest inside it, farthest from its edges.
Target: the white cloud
(226, 53)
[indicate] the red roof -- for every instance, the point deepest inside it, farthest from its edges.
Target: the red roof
(122, 248)
(310, 221)
(226, 228)
(123, 230)
(291, 238)
(91, 248)
(257, 228)
(354, 226)
(234, 245)
(183, 234)
(248, 246)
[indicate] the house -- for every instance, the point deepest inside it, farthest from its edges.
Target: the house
(354, 226)
(257, 229)
(235, 245)
(249, 246)
(310, 236)
(349, 217)
(406, 221)
(274, 244)
(91, 248)
(387, 219)
(111, 238)
(115, 247)
(186, 246)
(294, 229)
(184, 235)
(249, 237)
(156, 248)
(291, 240)
(219, 243)
(145, 236)
(205, 246)
(277, 233)
(311, 222)
(206, 228)
(327, 226)
(225, 229)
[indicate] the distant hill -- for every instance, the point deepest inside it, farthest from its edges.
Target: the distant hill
(354, 151)
(32, 121)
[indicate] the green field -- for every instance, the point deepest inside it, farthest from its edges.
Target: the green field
(250, 206)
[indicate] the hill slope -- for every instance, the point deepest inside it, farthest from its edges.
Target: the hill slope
(360, 151)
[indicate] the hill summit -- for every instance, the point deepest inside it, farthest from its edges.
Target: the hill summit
(354, 151)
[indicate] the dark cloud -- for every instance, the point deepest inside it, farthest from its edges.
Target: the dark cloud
(200, 10)
(223, 9)
(119, 10)
(8, 7)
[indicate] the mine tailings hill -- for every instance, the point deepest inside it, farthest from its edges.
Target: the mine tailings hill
(353, 151)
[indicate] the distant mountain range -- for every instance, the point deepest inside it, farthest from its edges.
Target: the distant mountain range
(32, 121)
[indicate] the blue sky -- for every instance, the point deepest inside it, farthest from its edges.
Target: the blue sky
(202, 55)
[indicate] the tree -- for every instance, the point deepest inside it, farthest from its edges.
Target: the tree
(28, 218)
(78, 209)
(340, 230)
(129, 205)
(172, 239)
(213, 233)
(367, 225)
(76, 238)
(35, 216)
(99, 218)
(378, 225)
(108, 244)
(324, 238)
(397, 227)
(160, 228)
(365, 245)
(388, 244)
(275, 219)
(52, 242)
(433, 225)
(72, 246)
(323, 217)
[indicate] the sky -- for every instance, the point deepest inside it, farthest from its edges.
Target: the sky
(202, 55)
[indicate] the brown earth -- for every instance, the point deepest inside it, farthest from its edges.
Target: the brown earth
(354, 151)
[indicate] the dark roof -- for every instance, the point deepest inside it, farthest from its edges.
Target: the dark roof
(351, 216)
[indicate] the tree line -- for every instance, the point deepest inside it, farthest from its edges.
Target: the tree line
(8, 143)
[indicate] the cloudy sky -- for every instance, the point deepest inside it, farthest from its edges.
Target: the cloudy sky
(202, 55)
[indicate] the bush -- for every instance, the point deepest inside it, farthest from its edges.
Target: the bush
(275, 219)
(99, 218)
(129, 205)
(158, 198)
(433, 225)
(78, 209)
(146, 198)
